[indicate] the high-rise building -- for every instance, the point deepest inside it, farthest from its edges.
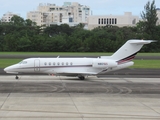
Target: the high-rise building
(70, 13)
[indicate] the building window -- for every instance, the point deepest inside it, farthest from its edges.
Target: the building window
(70, 19)
(99, 21)
(107, 21)
(115, 20)
(112, 21)
(104, 20)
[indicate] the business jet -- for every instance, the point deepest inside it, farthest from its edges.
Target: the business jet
(80, 67)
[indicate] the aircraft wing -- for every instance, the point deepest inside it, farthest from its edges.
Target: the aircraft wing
(76, 74)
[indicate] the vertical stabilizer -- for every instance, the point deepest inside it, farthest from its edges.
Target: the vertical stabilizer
(129, 50)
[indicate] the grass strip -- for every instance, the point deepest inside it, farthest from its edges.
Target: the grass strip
(151, 64)
(7, 62)
(70, 54)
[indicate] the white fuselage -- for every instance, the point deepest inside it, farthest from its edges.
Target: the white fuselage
(66, 66)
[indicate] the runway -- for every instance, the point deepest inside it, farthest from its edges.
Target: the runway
(64, 98)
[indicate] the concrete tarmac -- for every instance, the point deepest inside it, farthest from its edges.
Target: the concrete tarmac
(63, 98)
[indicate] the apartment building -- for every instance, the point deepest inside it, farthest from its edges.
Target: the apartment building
(158, 15)
(70, 13)
(7, 17)
(116, 20)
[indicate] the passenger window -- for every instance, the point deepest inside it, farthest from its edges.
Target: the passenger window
(45, 63)
(49, 63)
(71, 63)
(54, 63)
(62, 63)
(66, 63)
(58, 63)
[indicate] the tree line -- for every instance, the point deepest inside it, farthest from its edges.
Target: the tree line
(25, 35)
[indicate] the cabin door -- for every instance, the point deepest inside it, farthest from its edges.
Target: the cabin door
(36, 65)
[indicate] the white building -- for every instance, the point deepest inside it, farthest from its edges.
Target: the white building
(116, 20)
(70, 13)
(158, 15)
(7, 17)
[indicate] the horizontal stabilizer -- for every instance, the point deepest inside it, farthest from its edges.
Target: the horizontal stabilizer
(141, 42)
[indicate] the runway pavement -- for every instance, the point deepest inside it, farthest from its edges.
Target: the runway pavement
(38, 97)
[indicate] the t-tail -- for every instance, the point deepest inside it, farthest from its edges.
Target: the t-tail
(125, 54)
(128, 51)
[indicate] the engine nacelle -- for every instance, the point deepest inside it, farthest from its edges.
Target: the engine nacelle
(104, 63)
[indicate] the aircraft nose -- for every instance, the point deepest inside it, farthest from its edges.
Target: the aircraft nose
(6, 69)
(10, 69)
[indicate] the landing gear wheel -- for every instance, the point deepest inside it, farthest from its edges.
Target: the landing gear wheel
(81, 77)
(16, 77)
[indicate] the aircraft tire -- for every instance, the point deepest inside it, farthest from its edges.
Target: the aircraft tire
(81, 77)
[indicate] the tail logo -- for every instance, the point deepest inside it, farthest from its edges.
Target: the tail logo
(127, 59)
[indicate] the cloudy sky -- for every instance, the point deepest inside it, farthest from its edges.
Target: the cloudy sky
(98, 7)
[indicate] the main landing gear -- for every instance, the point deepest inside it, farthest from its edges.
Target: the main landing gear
(81, 77)
(16, 77)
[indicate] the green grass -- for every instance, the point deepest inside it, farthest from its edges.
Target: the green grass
(69, 54)
(150, 64)
(148, 54)
(6, 62)
(55, 53)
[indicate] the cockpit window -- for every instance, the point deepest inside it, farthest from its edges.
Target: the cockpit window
(23, 62)
(20, 62)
